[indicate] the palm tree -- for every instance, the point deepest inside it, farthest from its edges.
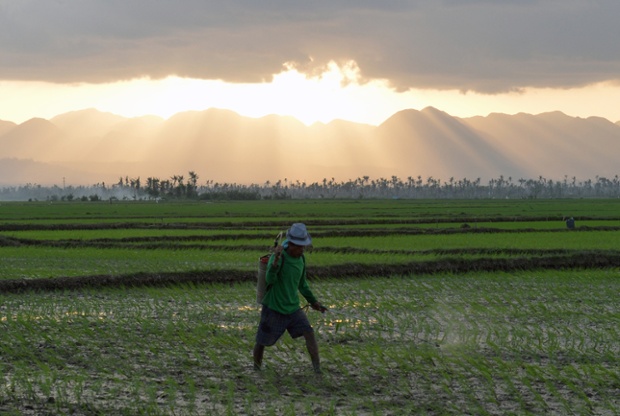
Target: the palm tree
(193, 184)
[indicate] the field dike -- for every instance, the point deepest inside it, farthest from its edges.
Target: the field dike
(448, 260)
(567, 261)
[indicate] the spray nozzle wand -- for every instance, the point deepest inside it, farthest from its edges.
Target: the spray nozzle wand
(277, 240)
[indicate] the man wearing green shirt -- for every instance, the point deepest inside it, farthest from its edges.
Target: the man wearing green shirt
(286, 275)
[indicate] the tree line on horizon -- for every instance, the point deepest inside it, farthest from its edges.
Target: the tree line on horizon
(178, 187)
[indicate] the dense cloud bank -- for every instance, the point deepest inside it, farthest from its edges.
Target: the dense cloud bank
(478, 45)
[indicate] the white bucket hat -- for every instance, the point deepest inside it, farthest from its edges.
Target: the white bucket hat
(298, 235)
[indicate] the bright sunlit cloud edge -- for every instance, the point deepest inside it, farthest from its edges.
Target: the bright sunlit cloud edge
(337, 93)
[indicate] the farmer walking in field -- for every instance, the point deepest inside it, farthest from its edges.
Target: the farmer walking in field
(281, 311)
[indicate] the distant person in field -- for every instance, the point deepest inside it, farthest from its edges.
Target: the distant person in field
(281, 311)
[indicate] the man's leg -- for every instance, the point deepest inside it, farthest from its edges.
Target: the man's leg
(313, 350)
(270, 329)
(259, 350)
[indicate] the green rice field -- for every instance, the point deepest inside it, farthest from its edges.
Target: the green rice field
(480, 307)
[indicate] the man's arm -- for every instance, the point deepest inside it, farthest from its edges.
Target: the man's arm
(318, 307)
(304, 289)
(273, 266)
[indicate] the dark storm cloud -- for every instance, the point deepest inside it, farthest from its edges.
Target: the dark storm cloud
(484, 45)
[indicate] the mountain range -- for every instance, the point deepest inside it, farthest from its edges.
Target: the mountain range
(88, 146)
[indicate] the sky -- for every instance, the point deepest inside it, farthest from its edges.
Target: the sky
(357, 60)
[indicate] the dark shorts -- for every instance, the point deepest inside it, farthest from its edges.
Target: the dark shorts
(273, 324)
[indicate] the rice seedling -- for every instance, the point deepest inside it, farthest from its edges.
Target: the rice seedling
(520, 342)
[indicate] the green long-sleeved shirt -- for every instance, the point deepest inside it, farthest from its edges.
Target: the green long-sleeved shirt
(283, 285)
